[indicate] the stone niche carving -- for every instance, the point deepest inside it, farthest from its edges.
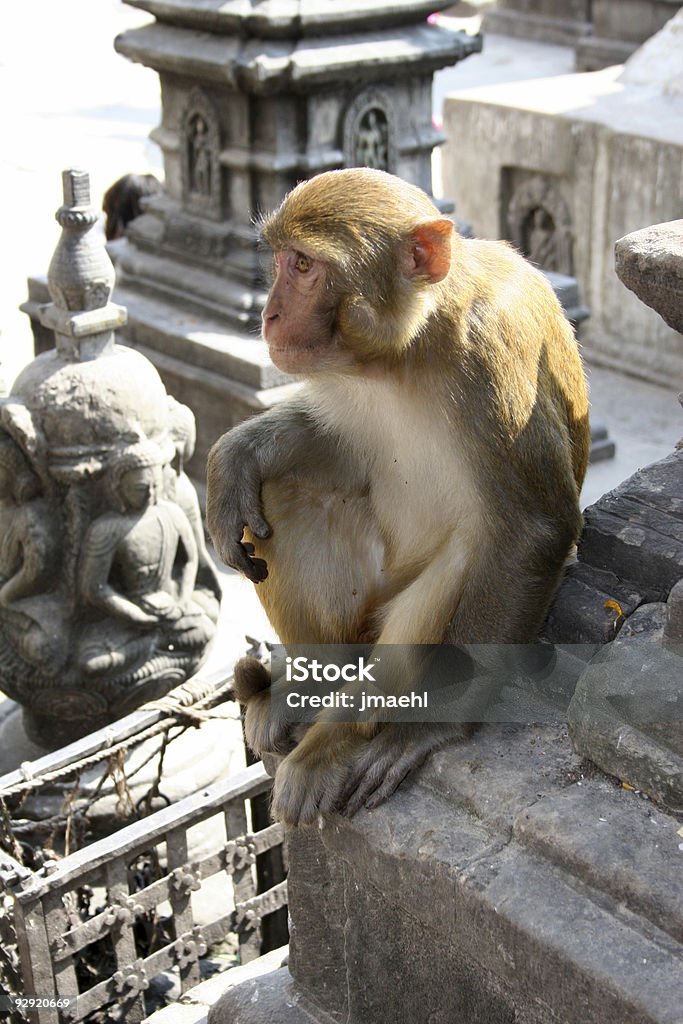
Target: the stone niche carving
(201, 146)
(370, 132)
(108, 597)
(540, 225)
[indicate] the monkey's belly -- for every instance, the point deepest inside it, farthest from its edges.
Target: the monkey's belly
(326, 574)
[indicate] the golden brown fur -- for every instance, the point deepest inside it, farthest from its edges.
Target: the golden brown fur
(423, 486)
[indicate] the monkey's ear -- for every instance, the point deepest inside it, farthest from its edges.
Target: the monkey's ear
(429, 253)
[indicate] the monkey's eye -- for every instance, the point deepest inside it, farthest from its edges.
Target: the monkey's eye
(303, 263)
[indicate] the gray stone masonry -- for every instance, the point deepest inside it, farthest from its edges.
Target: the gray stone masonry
(603, 156)
(506, 882)
(619, 28)
(551, 21)
(626, 713)
(650, 263)
(603, 32)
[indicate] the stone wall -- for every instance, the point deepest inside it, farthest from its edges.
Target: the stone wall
(610, 155)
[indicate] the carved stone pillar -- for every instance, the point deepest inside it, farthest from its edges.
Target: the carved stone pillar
(107, 595)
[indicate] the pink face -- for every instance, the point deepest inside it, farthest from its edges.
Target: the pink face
(299, 318)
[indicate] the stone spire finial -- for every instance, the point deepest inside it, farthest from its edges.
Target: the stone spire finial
(76, 187)
(80, 277)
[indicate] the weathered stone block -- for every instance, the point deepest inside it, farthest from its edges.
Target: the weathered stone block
(618, 28)
(591, 605)
(636, 531)
(650, 263)
(626, 715)
(551, 21)
(581, 138)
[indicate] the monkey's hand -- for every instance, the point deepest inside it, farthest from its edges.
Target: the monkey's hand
(233, 502)
(264, 731)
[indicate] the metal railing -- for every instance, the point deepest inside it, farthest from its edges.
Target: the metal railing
(44, 940)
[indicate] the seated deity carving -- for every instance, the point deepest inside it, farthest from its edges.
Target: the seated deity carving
(138, 572)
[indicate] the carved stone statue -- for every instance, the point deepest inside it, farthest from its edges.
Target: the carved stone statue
(540, 224)
(107, 593)
(372, 141)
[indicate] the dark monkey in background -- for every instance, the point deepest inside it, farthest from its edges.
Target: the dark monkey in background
(423, 485)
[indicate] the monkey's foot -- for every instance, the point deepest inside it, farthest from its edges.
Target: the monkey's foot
(311, 780)
(299, 796)
(380, 768)
(264, 731)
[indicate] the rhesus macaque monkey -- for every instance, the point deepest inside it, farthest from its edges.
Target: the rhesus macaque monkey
(121, 202)
(423, 485)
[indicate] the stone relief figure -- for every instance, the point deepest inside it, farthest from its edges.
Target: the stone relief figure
(202, 176)
(370, 132)
(28, 556)
(200, 157)
(181, 489)
(372, 140)
(138, 569)
(540, 239)
(540, 225)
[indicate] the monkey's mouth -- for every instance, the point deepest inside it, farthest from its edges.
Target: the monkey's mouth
(306, 357)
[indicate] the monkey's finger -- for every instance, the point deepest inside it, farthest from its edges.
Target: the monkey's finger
(362, 782)
(259, 526)
(239, 558)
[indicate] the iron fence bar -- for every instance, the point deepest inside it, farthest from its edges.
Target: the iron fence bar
(184, 879)
(56, 923)
(264, 903)
(34, 956)
(140, 835)
(77, 937)
(123, 939)
(243, 880)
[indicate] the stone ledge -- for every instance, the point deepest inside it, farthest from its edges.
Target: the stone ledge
(499, 884)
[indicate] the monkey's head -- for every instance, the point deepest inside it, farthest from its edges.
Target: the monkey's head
(357, 254)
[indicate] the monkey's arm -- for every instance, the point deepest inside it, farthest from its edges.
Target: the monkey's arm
(264, 447)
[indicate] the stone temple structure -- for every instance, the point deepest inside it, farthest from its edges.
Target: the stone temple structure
(107, 594)
(602, 32)
(565, 166)
(256, 96)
